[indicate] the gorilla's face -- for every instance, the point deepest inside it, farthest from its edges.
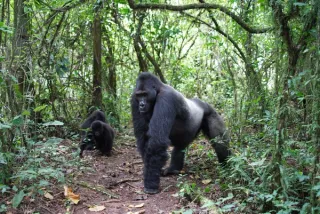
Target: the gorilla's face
(97, 129)
(146, 100)
(146, 91)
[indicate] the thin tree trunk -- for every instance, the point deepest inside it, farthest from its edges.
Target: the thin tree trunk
(316, 117)
(97, 85)
(112, 77)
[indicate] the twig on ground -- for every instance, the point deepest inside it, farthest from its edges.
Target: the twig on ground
(124, 181)
(133, 186)
(98, 189)
(165, 189)
(136, 162)
(110, 201)
(117, 150)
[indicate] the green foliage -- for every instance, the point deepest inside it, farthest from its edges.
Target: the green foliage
(5, 28)
(17, 199)
(43, 168)
(53, 123)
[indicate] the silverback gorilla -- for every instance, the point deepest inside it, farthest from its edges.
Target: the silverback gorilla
(100, 136)
(162, 116)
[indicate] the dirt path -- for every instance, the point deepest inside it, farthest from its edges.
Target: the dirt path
(121, 175)
(115, 183)
(112, 183)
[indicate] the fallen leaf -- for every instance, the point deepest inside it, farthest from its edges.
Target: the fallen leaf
(70, 195)
(139, 205)
(48, 196)
(206, 181)
(136, 206)
(97, 208)
(138, 212)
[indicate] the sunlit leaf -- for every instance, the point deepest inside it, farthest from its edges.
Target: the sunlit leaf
(97, 208)
(54, 123)
(258, 163)
(207, 181)
(26, 113)
(70, 195)
(136, 206)
(39, 108)
(48, 195)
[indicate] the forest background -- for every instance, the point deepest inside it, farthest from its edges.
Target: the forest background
(256, 61)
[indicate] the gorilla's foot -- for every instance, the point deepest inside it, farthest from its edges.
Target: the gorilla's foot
(169, 171)
(151, 191)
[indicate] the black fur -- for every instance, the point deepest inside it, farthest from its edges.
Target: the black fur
(162, 116)
(103, 136)
(87, 141)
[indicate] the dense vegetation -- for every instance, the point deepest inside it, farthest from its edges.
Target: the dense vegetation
(256, 62)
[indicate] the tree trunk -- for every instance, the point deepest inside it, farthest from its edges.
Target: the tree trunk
(112, 79)
(316, 117)
(97, 92)
(19, 61)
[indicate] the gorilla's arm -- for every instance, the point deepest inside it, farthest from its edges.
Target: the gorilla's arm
(140, 123)
(160, 126)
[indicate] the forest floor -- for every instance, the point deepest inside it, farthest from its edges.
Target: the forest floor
(114, 185)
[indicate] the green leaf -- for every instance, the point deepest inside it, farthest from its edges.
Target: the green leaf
(26, 113)
(121, 1)
(17, 199)
(3, 160)
(54, 123)
(228, 207)
(317, 187)
(4, 126)
(306, 208)
(124, 11)
(258, 163)
(44, 183)
(188, 211)
(3, 208)
(208, 204)
(17, 120)
(39, 108)
(299, 4)
(54, 140)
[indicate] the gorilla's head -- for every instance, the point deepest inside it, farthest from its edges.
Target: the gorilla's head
(97, 128)
(146, 91)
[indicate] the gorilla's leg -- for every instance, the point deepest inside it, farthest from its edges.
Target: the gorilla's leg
(177, 161)
(155, 158)
(213, 127)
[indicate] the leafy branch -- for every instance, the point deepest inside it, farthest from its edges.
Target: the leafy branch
(180, 8)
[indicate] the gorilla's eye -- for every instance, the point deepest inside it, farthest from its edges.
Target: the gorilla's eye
(154, 87)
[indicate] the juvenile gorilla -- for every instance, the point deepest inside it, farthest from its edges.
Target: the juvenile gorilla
(87, 141)
(162, 116)
(103, 136)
